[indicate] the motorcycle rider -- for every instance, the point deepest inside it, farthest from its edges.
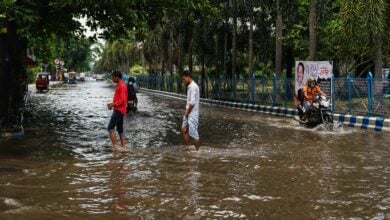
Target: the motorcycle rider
(132, 90)
(309, 93)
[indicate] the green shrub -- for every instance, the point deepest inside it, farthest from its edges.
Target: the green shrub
(137, 70)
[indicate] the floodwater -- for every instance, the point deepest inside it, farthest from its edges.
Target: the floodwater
(250, 166)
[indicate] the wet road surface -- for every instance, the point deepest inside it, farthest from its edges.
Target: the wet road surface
(251, 165)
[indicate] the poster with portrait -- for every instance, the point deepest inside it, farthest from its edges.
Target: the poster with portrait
(321, 71)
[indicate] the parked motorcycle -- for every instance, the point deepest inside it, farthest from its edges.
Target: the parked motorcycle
(319, 113)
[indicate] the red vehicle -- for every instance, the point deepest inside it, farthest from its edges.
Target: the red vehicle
(42, 81)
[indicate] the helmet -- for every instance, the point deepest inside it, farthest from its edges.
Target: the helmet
(310, 80)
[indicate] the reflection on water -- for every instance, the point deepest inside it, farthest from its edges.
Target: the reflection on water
(251, 166)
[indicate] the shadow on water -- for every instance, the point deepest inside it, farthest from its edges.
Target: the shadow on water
(251, 166)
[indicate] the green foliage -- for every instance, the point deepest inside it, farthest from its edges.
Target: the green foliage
(365, 26)
(263, 71)
(137, 70)
(74, 51)
(118, 55)
(345, 29)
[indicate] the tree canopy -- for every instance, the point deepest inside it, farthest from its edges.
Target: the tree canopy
(187, 34)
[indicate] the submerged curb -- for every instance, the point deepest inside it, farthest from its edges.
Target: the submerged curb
(372, 123)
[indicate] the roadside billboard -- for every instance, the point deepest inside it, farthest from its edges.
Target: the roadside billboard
(321, 71)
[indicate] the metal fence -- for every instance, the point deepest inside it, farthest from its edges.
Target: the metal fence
(358, 96)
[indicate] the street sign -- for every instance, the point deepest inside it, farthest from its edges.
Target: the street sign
(45, 65)
(62, 62)
(57, 61)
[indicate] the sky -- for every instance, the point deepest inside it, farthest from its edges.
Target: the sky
(90, 33)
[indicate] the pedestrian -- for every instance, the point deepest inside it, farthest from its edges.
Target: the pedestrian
(119, 105)
(191, 114)
(132, 90)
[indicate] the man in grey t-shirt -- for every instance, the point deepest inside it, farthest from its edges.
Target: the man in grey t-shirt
(191, 115)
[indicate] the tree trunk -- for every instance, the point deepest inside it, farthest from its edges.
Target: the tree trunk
(162, 85)
(216, 55)
(5, 77)
(12, 78)
(225, 53)
(180, 54)
(289, 62)
(234, 43)
(190, 64)
(378, 59)
(313, 30)
(289, 70)
(250, 57)
(378, 85)
(234, 49)
(202, 86)
(180, 60)
(162, 65)
(250, 49)
(279, 35)
(170, 56)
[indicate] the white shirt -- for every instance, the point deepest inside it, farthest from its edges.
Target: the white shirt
(193, 98)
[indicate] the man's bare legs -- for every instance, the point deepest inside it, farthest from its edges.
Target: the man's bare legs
(197, 144)
(123, 142)
(113, 140)
(186, 136)
(114, 144)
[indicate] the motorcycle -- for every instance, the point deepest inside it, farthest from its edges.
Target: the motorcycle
(132, 104)
(319, 113)
(132, 100)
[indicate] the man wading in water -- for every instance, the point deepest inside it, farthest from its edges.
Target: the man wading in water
(191, 115)
(119, 105)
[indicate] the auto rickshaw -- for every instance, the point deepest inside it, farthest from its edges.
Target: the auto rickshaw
(42, 81)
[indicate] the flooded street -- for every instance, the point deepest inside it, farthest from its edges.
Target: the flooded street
(250, 166)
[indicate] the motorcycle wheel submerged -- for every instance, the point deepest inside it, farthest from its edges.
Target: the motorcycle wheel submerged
(328, 121)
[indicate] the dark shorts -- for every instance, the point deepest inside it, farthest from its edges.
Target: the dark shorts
(116, 120)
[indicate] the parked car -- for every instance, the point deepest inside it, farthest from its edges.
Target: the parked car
(42, 81)
(99, 77)
(82, 77)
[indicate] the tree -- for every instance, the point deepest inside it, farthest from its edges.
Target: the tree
(365, 25)
(313, 29)
(278, 36)
(24, 20)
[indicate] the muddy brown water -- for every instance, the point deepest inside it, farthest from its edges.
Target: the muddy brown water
(251, 165)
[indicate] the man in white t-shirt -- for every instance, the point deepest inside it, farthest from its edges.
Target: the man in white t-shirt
(191, 115)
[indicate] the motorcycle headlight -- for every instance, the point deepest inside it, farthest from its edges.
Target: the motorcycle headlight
(325, 104)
